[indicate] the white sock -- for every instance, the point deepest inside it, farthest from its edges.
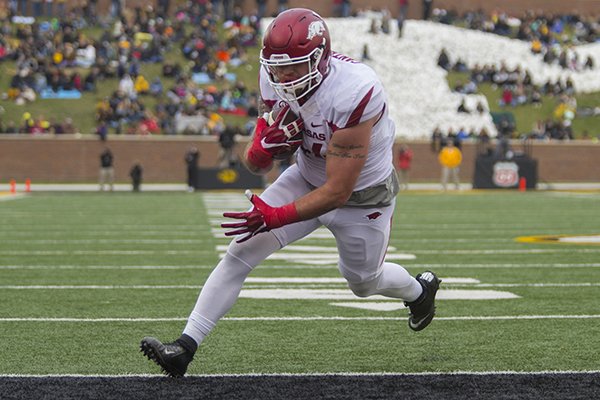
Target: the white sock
(396, 282)
(224, 284)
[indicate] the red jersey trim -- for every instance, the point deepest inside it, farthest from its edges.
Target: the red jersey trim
(359, 110)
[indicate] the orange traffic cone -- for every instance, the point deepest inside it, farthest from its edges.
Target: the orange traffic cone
(522, 184)
(27, 185)
(13, 186)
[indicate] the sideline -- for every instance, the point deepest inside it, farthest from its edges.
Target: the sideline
(176, 187)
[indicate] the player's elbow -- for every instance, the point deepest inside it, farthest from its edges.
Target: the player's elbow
(339, 197)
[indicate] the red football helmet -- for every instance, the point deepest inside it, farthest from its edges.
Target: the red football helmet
(296, 36)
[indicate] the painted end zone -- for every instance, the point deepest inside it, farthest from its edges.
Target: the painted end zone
(350, 386)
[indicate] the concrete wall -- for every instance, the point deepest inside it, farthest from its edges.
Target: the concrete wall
(68, 159)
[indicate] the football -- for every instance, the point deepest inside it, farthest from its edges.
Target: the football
(291, 125)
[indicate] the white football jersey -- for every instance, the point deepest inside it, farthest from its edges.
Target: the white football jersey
(351, 93)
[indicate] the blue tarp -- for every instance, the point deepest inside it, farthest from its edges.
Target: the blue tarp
(61, 94)
(202, 78)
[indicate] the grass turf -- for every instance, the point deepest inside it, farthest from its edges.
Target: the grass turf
(142, 259)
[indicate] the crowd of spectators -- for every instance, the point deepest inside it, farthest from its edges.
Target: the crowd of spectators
(515, 84)
(439, 138)
(517, 88)
(55, 58)
(37, 125)
(551, 36)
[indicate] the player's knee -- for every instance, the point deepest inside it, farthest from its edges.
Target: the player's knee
(364, 289)
(238, 250)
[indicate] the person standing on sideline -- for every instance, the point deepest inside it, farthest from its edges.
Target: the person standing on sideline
(344, 179)
(405, 156)
(136, 173)
(107, 170)
(450, 158)
(227, 143)
(191, 161)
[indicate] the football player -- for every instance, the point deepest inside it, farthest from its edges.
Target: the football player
(344, 179)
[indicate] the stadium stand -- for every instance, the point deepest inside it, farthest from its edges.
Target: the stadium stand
(420, 99)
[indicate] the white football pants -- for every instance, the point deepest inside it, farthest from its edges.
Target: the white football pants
(361, 234)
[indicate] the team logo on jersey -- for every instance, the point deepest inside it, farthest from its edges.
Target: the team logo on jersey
(506, 174)
(373, 216)
(316, 28)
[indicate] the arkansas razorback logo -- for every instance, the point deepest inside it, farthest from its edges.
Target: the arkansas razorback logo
(374, 215)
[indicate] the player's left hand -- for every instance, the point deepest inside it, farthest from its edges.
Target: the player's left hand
(261, 218)
(282, 133)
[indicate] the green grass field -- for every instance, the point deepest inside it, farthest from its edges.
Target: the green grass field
(83, 277)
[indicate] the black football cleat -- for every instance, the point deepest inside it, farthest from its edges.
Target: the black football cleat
(171, 357)
(422, 310)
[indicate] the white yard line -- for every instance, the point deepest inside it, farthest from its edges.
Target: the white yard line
(283, 255)
(305, 285)
(10, 196)
(302, 319)
(105, 267)
(105, 241)
(523, 265)
(187, 267)
(98, 252)
(506, 251)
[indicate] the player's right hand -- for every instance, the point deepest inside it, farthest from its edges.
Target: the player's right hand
(253, 221)
(261, 218)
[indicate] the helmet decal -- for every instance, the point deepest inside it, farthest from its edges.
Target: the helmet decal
(316, 28)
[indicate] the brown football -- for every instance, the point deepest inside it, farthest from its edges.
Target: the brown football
(293, 125)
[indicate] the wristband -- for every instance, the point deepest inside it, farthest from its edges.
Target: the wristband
(284, 215)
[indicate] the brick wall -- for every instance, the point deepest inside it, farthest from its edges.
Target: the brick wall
(69, 159)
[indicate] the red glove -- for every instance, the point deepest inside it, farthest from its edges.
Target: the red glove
(257, 155)
(261, 218)
(273, 137)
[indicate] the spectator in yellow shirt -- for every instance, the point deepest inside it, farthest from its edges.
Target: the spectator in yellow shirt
(450, 158)
(141, 85)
